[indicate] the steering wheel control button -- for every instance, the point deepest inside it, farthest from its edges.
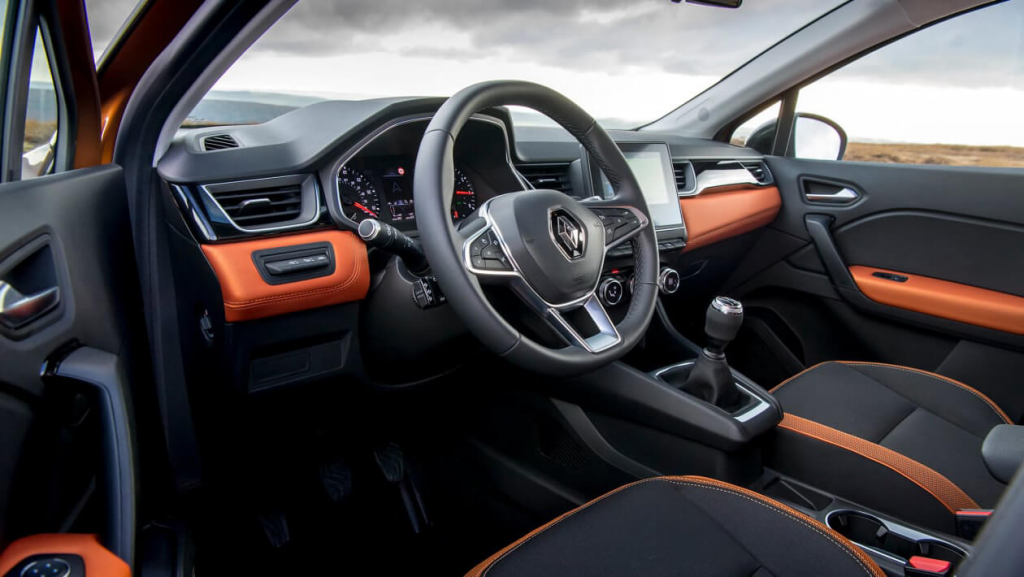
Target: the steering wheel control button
(610, 291)
(51, 567)
(668, 281)
(486, 253)
(618, 223)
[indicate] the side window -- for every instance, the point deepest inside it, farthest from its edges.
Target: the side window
(41, 116)
(949, 94)
(758, 131)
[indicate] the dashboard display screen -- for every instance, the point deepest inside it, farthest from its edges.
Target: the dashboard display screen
(397, 185)
(652, 167)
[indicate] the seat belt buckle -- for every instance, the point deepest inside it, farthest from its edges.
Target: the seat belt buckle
(927, 567)
(970, 521)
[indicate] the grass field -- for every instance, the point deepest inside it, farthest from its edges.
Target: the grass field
(949, 154)
(37, 133)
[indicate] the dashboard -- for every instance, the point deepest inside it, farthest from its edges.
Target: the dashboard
(284, 292)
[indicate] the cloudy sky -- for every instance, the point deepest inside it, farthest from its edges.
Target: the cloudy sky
(632, 61)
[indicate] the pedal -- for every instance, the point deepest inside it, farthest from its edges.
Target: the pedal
(395, 467)
(275, 527)
(336, 477)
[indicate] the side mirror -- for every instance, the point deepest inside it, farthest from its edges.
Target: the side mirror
(817, 138)
(814, 137)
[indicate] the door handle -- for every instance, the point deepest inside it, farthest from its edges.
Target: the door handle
(17, 310)
(845, 195)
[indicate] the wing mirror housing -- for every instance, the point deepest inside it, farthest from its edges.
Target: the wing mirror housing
(814, 137)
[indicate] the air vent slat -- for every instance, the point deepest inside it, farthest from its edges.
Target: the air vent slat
(264, 219)
(759, 171)
(548, 176)
(272, 205)
(682, 174)
(219, 142)
(227, 197)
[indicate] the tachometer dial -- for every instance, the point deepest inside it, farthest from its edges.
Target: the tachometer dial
(464, 200)
(359, 197)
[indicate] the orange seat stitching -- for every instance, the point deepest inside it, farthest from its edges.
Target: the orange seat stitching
(934, 483)
(859, 556)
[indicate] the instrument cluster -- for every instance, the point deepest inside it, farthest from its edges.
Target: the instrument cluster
(380, 187)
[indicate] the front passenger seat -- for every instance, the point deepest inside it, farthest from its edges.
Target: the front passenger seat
(681, 526)
(897, 439)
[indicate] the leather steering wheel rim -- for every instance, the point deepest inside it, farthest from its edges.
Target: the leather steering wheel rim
(433, 190)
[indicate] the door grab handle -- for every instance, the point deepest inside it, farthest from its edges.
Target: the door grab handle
(845, 195)
(27, 308)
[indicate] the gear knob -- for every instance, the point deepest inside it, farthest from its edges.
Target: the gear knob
(724, 318)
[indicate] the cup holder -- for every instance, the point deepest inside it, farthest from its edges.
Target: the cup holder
(891, 539)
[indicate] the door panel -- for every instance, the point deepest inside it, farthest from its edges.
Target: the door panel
(68, 462)
(955, 233)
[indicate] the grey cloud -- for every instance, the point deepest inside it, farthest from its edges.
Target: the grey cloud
(678, 38)
(652, 33)
(106, 17)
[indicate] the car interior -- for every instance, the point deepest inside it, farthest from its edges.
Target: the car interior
(416, 334)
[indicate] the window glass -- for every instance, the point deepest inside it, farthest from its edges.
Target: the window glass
(40, 116)
(949, 94)
(106, 17)
(626, 62)
(761, 124)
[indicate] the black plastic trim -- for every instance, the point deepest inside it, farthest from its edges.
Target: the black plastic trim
(261, 257)
(106, 374)
(818, 228)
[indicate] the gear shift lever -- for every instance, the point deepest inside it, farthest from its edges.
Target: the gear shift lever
(710, 379)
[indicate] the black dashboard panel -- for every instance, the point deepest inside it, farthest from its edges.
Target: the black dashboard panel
(361, 155)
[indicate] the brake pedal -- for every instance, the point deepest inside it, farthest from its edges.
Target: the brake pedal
(393, 465)
(336, 477)
(275, 527)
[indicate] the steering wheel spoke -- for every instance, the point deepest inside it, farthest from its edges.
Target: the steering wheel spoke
(621, 222)
(584, 325)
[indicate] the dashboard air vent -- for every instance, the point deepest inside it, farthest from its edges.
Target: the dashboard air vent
(219, 142)
(549, 176)
(262, 206)
(759, 171)
(682, 172)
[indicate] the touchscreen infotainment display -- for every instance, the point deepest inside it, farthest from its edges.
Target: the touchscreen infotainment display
(652, 167)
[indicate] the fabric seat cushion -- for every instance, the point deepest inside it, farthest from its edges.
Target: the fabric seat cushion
(681, 526)
(938, 422)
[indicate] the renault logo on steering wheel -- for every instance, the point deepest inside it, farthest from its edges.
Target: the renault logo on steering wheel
(568, 234)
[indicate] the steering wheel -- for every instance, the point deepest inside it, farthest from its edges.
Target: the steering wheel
(545, 245)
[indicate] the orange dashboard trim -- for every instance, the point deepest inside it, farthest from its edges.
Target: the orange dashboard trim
(715, 215)
(98, 560)
(247, 296)
(944, 299)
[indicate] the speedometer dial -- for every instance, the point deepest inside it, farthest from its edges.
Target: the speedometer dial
(464, 200)
(359, 198)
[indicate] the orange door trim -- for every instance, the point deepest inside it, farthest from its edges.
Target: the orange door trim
(98, 560)
(944, 299)
(714, 216)
(247, 296)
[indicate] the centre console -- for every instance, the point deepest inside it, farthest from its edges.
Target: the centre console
(899, 548)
